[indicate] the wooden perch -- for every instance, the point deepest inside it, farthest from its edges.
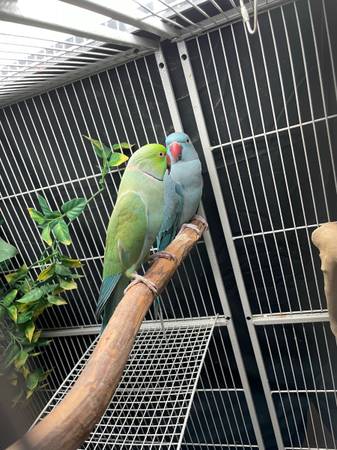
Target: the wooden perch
(70, 423)
(325, 239)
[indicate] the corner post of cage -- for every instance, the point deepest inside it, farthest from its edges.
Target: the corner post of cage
(205, 142)
(177, 123)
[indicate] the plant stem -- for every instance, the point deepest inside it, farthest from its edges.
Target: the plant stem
(96, 194)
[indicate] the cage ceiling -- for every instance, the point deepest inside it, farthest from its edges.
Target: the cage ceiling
(42, 48)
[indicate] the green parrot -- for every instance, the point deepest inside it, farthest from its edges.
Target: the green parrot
(133, 226)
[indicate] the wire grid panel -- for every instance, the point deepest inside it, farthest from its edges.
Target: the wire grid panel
(149, 409)
(219, 416)
(302, 372)
(44, 135)
(270, 103)
(270, 111)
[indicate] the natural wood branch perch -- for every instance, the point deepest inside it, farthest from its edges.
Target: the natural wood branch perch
(325, 239)
(70, 423)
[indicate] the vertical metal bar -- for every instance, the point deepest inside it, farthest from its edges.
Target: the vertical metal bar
(176, 120)
(210, 247)
(189, 77)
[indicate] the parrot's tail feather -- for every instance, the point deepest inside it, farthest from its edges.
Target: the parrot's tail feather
(108, 285)
(114, 298)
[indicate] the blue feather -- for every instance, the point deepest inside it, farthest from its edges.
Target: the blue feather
(110, 294)
(183, 189)
(107, 287)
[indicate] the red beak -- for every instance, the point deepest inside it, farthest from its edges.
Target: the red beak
(168, 160)
(175, 149)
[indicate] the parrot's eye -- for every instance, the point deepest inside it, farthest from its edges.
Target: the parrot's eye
(161, 154)
(187, 140)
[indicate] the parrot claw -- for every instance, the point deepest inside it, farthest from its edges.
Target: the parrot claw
(192, 227)
(163, 254)
(201, 219)
(140, 279)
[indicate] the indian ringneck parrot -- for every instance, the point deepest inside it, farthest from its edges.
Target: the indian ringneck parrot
(183, 190)
(134, 225)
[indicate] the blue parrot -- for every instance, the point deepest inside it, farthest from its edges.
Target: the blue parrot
(182, 193)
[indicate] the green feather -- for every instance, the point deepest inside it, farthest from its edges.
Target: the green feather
(134, 223)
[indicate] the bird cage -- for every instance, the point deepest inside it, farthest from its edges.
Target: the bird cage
(247, 360)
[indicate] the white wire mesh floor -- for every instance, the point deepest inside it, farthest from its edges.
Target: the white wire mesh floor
(151, 405)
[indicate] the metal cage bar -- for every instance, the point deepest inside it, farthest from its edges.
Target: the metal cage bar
(251, 190)
(165, 77)
(193, 93)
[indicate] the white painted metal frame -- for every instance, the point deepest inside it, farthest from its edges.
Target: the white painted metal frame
(203, 133)
(48, 18)
(298, 315)
(212, 257)
(39, 67)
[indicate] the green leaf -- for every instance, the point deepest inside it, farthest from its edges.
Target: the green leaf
(116, 159)
(25, 371)
(21, 359)
(7, 251)
(46, 235)
(9, 298)
(69, 262)
(11, 354)
(43, 342)
(38, 310)
(43, 205)
(45, 375)
(25, 286)
(25, 317)
(29, 331)
(21, 307)
(32, 296)
(101, 149)
(33, 379)
(48, 287)
(122, 145)
(13, 313)
(36, 336)
(73, 208)
(62, 270)
(12, 277)
(53, 300)
(68, 285)
(46, 273)
(61, 232)
(96, 145)
(37, 216)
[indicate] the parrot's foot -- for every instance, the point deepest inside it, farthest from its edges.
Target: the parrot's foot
(192, 227)
(162, 254)
(201, 219)
(140, 279)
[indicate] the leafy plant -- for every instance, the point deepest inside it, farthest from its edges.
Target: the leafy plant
(7, 251)
(25, 296)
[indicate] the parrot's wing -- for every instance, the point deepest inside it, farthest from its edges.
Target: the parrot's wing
(125, 241)
(108, 285)
(173, 207)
